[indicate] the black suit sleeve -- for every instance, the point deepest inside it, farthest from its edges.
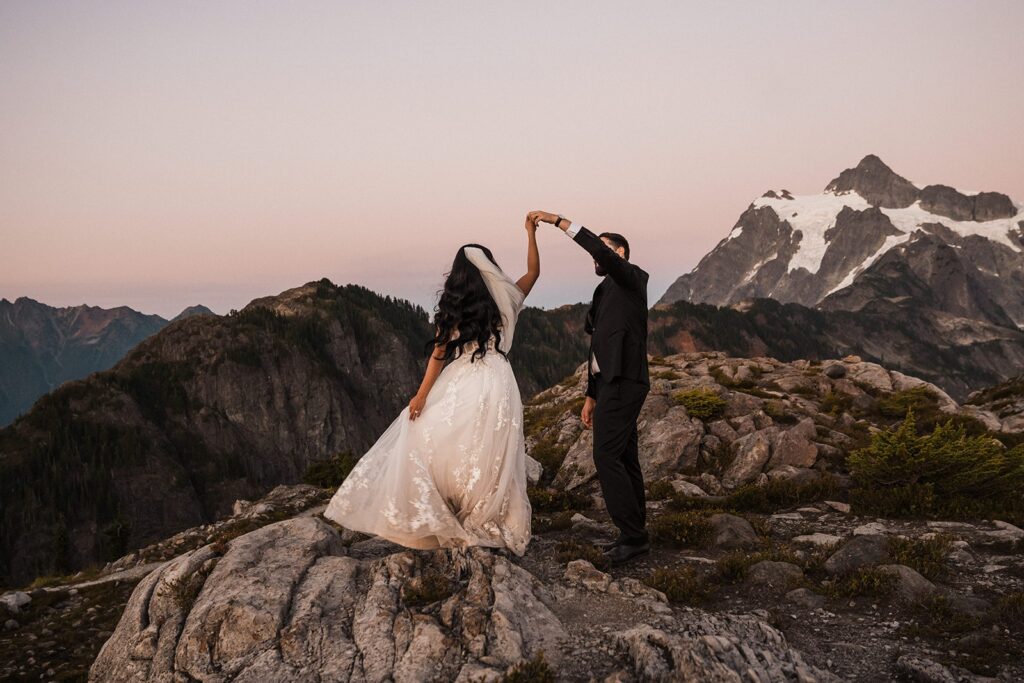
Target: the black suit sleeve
(622, 271)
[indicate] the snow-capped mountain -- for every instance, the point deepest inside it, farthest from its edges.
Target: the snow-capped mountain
(871, 234)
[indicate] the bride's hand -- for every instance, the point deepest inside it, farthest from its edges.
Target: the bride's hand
(531, 224)
(542, 217)
(416, 406)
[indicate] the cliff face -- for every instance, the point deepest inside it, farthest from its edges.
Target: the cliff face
(210, 410)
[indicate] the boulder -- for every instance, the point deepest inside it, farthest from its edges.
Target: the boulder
(903, 382)
(871, 374)
(669, 443)
(685, 488)
(723, 430)
(834, 371)
(15, 600)
(923, 670)
(751, 453)
(578, 465)
(805, 597)
(534, 470)
(710, 483)
(794, 447)
(285, 600)
(819, 539)
(717, 648)
(775, 575)
(859, 551)
(583, 573)
(732, 532)
(910, 585)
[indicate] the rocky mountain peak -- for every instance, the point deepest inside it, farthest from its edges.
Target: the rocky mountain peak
(295, 301)
(873, 180)
(189, 311)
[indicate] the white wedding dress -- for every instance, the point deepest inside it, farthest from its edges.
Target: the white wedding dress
(455, 476)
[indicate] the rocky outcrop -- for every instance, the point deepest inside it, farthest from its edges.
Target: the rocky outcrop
(873, 180)
(776, 420)
(1000, 407)
(289, 602)
(703, 653)
(984, 206)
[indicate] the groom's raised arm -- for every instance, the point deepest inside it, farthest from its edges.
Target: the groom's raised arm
(620, 270)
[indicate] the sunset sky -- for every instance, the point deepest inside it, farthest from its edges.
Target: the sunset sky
(158, 155)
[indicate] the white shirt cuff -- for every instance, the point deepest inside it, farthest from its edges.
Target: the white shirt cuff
(572, 229)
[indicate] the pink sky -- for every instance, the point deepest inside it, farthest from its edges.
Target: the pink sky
(164, 154)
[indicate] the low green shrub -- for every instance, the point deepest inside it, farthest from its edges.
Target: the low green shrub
(681, 529)
(863, 582)
(898, 404)
(567, 551)
(702, 403)
(556, 522)
(773, 496)
(681, 585)
(836, 403)
(925, 555)
(549, 454)
(535, 670)
(545, 499)
(660, 490)
(330, 472)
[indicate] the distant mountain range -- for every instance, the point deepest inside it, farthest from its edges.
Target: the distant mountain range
(42, 347)
(211, 409)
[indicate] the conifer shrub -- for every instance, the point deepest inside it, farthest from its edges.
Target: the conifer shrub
(702, 403)
(945, 473)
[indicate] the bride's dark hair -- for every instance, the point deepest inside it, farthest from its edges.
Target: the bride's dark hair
(466, 307)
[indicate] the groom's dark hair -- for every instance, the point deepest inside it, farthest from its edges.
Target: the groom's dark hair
(618, 240)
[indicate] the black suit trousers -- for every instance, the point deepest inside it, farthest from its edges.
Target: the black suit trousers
(617, 455)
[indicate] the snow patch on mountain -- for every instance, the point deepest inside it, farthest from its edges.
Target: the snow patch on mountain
(814, 215)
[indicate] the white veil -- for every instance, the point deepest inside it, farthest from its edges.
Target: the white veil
(504, 291)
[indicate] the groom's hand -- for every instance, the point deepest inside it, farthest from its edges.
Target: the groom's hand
(542, 217)
(588, 413)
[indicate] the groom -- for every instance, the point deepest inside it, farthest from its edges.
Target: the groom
(617, 381)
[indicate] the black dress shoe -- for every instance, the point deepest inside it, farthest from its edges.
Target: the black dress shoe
(623, 553)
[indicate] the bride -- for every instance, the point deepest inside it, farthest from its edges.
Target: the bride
(450, 471)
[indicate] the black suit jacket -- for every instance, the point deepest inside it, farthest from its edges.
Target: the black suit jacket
(617, 319)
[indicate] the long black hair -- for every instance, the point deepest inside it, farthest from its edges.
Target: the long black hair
(466, 307)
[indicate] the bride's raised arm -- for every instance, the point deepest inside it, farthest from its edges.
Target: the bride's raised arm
(526, 282)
